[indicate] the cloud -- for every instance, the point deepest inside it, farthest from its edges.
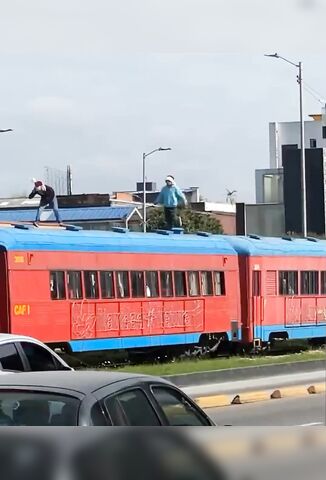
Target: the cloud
(51, 107)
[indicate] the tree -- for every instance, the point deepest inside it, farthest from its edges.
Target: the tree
(192, 221)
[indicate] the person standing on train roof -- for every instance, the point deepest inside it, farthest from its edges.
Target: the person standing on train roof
(171, 197)
(48, 199)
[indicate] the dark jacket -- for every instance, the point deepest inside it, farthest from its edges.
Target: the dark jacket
(46, 195)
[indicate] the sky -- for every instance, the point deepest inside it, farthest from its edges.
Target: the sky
(94, 84)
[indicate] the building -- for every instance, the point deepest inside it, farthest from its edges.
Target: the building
(192, 193)
(90, 211)
(286, 135)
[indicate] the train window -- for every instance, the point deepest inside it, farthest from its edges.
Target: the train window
(271, 288)
(323, 283)
(309, 283)
(151, 279)
(193, 284)
(180, 284)
(256, 276)
(122, 283)
(91, 284)
(166, 284)
(288, 283)
(107, 284)
(206, 280)
(219, 283)
(137, 284)
(57, 285)
(74, 285)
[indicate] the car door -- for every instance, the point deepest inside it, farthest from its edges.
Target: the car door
(131, 407)
(177, 408)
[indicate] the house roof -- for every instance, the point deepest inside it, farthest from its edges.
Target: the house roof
(75, 214)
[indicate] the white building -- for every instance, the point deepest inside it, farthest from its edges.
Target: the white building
(284, 135)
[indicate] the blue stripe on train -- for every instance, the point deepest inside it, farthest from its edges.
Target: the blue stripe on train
(137, 342)
(133, 342)
(294, 332)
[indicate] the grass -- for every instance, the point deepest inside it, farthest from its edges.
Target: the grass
(192, 366)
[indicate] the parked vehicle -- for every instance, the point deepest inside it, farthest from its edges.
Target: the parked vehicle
(86, 398)
(25, 354)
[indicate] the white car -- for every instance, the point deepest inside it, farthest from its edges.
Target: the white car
(19, 353)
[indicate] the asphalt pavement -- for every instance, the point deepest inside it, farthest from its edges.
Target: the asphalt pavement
(272, 382)
(305, 411)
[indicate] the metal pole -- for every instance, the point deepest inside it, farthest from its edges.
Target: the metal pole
(144, 192)
(303, 158)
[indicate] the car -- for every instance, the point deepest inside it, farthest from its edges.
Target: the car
(94, 398)
(19, 353)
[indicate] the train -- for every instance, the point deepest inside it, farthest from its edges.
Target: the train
(167, 291)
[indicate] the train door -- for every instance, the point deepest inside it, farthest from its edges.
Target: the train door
(257, 307)
(4, 300)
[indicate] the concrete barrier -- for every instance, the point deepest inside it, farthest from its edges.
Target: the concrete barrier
(215, 401)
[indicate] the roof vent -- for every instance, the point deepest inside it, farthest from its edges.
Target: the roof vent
(254, 237)
(203, 234)
(120, 230)
(289, 239)
(312, 239)
(73, 228)
(21, 226)
(177, 231)
(163, 232)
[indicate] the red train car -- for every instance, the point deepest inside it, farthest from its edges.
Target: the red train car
(283, 288)
(89, 291)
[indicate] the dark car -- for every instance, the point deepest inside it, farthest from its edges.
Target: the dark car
(88, 398)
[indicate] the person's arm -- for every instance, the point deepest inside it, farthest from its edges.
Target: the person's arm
(32, 194)
(159, 199)
(181, 196)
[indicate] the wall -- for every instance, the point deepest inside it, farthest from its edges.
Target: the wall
(265, 219)
(287, 133)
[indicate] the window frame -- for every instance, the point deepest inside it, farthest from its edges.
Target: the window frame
(51, 272)
(171, 284)
(157, 281)
(315, 282)
(117, 289)
(296, 277)
(102, 272)
(184, 273)
(198, 284)
(141, 284)
(79, 272)
(97, 286)
(222, 283)
(201, 283)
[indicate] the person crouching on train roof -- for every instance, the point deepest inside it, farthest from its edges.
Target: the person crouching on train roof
(48, 199)
(171, 197)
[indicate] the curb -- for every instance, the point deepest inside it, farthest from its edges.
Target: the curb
(215, 401)
(241, 373)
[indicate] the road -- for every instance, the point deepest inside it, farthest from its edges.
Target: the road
(271, 383)
(303, 411)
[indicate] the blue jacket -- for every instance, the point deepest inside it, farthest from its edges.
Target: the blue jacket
(171, 196)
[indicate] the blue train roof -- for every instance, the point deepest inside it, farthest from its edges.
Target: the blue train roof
(273, 246)
(51, 239)
(55, 239)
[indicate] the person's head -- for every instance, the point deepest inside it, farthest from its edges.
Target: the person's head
(169, 181)
(39, 185)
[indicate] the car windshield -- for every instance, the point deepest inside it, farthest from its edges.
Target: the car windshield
(18, 408)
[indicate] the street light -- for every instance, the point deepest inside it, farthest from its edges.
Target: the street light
(303, 155)
(6, 130)
(145, 155)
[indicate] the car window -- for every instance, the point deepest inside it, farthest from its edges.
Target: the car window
(39, 358)
(133, 408)
(97, 416)
(10, 358)
(177, 409)
(22, 408)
